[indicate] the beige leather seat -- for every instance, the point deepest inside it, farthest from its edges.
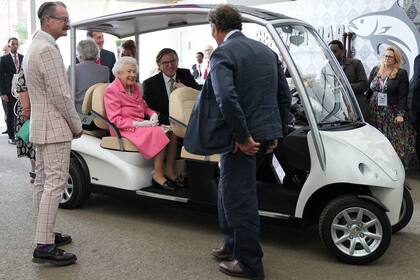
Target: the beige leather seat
(86, 110)
(181, 103)
(95, 101)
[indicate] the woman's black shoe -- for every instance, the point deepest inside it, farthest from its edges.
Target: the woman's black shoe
(168, 185)
(178, 182)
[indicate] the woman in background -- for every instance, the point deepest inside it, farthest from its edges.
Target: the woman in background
(23, 112)
(387, 97)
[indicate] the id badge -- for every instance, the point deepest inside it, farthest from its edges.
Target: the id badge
(382, 99)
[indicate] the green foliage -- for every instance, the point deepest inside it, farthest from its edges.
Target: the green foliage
(22, 32)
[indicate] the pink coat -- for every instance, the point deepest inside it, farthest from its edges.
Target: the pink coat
(123, 109)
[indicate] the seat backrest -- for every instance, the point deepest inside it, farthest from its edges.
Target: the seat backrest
(181, 103)
(87, 100)
(98, 104)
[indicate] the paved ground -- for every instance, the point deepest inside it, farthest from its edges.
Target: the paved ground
(115, 238)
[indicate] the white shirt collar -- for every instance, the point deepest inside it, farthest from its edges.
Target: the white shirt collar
(166, 78)
(48, 37)
(230, 34)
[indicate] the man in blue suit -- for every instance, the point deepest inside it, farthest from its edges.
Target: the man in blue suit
(254, 100)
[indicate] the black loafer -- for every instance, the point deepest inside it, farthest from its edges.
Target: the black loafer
(62, 239)
(168, 185)
(53, 256)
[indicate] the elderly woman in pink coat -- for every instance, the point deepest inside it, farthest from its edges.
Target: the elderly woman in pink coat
(126, 108)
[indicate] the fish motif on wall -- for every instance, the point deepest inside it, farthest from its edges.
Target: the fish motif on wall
(390, 27)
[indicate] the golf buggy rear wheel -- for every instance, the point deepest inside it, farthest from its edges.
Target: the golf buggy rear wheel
(406, 212)
(75, 192)
(355, 230)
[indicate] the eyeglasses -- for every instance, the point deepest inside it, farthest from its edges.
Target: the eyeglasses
(166, 63)
(64, 19)
(389, 56)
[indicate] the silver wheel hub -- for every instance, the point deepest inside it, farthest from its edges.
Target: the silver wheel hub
(356, 231)
(68, 191)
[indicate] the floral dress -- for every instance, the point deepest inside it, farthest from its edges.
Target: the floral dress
(401, 135)
(23, 149)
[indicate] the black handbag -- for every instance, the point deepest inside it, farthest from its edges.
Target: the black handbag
(207, 132)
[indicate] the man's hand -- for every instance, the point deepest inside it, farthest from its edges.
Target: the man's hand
(250, 147)
(5, 98)
(77, 135)
(272, 146)
(178, 85)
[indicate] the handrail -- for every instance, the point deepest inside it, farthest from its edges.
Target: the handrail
(114, 128)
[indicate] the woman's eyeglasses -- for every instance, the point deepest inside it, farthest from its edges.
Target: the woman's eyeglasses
(389, 56)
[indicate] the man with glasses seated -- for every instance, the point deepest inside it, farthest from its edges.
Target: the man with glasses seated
(158, 88)
(156, 91)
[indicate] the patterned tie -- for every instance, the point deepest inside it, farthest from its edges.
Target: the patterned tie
(16, 61)
(206, 73)
(171, 85)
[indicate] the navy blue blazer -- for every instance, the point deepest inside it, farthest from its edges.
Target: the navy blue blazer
(7, 70)
(252, 97)
(156, 96)
(108, 59)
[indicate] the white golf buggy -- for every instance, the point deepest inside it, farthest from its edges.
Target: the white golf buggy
(332, 169)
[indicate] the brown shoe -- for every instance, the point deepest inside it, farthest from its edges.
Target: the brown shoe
(232, 268)
(222, 254)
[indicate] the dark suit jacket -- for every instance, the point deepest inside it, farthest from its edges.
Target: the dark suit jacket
(154, 92)
(108, 59)
(415, 107)
(251, 92)
(195, 72)
(356, 75)
(397, 89)
(7, 70)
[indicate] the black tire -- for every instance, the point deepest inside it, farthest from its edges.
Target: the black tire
(407, 209)
(339, 239)
(74, 197)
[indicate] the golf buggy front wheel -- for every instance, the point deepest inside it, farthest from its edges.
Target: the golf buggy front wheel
(355, 230)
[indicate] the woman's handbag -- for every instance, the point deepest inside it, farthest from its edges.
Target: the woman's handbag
(23, 132)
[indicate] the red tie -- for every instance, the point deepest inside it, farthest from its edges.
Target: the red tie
(16, 61)
(98, 61)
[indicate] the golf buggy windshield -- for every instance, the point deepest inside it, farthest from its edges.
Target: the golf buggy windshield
(327, 92)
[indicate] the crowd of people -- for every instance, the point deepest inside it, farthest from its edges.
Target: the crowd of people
(142, 116)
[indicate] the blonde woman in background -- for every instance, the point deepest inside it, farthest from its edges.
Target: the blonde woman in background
(387, 95)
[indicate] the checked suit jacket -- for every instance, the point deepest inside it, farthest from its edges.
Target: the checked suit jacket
(53, 115)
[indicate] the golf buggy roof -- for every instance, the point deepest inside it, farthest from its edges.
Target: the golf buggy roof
(141, 21)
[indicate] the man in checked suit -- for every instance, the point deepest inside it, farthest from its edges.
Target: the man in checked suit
(253, 97)
(10, 64)
(54, 124)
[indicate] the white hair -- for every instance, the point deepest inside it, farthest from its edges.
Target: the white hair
(87, 49)
(125, 60)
